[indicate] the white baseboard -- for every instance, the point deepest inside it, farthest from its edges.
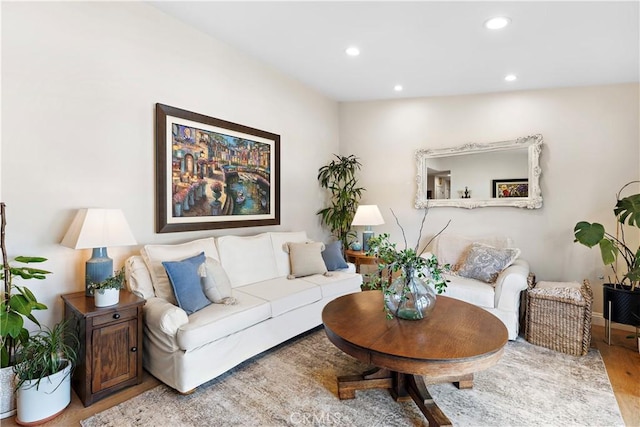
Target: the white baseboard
(598, 319)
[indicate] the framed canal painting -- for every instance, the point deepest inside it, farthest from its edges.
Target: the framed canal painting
(502, 188)
(213, 174)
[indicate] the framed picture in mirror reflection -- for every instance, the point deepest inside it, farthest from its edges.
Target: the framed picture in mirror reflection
(505, 188)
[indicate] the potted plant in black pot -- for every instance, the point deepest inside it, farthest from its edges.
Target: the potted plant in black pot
(43, 374)
(622, 294)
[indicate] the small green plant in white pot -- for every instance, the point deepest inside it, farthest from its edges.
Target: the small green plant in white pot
(43, 374)
(107, 292)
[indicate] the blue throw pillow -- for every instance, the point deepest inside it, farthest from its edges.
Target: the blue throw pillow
(332, 256)
(185, 282)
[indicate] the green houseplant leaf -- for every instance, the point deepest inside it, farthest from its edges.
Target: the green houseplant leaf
(608, 250)
(588, 234)
(628, 210)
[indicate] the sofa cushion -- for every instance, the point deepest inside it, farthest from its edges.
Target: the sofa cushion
(484, 262)
(153, 256)
(283, 294)
(218, 321)
(247, 259)
(470, 290)
(306, 259)
(339, 283)
(278, 239)
(185, 280)
(332, 256)
(215, 282)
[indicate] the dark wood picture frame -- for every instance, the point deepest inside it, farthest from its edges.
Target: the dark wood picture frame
(228, 173)
(507, 188)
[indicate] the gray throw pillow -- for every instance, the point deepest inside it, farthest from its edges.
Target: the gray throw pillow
(484, 262)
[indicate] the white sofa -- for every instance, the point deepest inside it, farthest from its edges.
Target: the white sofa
(185, 351)
(501, 298)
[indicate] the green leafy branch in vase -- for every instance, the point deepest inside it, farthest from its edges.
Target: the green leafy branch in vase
(410, 262)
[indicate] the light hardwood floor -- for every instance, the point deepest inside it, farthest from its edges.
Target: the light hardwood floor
(621, 359)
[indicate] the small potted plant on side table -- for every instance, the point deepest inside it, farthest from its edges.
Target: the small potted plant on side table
(107, 292)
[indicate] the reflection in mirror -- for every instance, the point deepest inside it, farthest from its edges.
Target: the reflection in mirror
(505, 173)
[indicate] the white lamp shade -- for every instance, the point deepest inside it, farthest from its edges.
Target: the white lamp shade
(368, 215)
(98, 228)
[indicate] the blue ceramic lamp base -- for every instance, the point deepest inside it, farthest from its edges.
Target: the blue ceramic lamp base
(99, 267)
(366, 235)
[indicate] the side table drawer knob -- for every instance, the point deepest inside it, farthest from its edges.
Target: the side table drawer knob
(116, 316)
(134, 349)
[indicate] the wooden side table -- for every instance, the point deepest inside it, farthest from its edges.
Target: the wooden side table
(359, 258)
(110, 353)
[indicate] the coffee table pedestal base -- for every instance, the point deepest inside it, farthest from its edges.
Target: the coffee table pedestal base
(403, 387)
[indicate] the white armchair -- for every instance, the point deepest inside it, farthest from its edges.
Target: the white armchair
(501, 298)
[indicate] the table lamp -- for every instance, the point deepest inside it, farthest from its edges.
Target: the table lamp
(97, 229)
(367, 215)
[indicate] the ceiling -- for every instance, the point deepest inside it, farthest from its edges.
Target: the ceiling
(430, 48)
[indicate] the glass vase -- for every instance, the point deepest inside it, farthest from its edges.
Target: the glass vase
(410, 297)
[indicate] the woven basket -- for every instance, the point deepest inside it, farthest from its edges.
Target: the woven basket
(558, 316)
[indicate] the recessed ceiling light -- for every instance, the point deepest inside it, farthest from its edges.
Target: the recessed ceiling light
(497, 23)
(352, 51)
(510, 78)
(398, 88)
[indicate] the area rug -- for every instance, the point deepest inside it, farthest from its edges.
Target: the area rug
(295, 384)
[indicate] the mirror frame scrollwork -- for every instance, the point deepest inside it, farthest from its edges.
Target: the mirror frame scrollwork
(532, 142)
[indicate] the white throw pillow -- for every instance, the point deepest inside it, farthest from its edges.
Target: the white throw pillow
(215, 282)
(306, 259)
(154, 255)
(484, 262)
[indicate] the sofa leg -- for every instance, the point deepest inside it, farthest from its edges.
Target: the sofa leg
(186, 393)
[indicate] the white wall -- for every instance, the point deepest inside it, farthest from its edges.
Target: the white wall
(591, 148)
(79, 85)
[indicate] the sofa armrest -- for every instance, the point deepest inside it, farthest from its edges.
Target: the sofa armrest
(162, 321)
(511, 281)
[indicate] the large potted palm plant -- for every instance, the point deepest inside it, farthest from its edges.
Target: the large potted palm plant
(16, 308)
(622, 293)
(339, 177)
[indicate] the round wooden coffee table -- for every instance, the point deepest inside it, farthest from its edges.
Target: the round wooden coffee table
(455, 341)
